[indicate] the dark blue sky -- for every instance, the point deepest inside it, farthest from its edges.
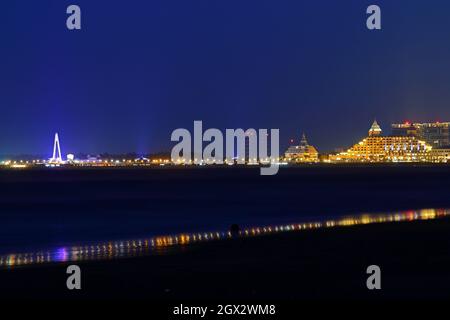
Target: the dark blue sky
(139, 69)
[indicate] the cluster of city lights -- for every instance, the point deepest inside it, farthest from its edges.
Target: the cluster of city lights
(155, 245)
(87, 162)
(252, 161)
(403, 147)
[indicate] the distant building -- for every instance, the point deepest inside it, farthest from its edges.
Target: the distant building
(436, 134)
(375, 129)
(302, 153)
(439, 155)
(378, 148)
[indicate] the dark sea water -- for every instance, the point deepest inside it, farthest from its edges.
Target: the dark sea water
(40, 208)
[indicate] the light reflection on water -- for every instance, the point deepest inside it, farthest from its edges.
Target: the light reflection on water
(160, 244)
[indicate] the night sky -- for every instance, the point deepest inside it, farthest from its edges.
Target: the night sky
(139, 69)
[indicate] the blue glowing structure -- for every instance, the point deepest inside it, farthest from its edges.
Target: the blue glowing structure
(56, 158)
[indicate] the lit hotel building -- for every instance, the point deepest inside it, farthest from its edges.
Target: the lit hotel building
(302, 153)
(378, 148)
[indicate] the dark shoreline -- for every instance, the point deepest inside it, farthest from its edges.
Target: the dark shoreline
(414, 258)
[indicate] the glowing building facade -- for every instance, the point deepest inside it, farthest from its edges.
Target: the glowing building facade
(378, 148)
(436, 134)
(439, 155)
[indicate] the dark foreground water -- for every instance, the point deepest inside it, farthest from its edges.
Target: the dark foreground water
(59, 207)
(128, 248)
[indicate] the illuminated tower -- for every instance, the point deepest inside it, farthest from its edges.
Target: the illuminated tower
(303, 142)
(56, 150)
(375, 130)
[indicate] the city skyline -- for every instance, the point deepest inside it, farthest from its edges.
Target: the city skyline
(382, 147)
(225, 158)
